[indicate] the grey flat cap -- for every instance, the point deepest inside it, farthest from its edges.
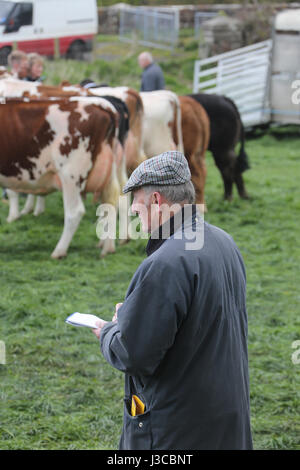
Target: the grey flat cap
(168, 168)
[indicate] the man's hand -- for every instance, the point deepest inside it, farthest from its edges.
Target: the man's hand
(100, 324)
(115, 317)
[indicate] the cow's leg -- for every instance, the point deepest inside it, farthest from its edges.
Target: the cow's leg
(39, 206)
(239, 181)
(73, 212)
(110, 195)
(225, 163)
(134, 152)
(29, 205)
(228, 185)
(199, 176)
(123, 207)
(13, 199)
(122, 179)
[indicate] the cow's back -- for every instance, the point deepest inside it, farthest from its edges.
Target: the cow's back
(39, 138)
(225, 124)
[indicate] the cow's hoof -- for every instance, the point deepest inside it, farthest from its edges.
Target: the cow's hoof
(124, 241)
(25, 212)
(12, 219)
(58, 254)
(245, 196)
(100, 244)
(106, 252)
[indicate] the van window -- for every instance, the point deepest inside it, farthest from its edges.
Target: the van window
(5, 9)
(20, 16)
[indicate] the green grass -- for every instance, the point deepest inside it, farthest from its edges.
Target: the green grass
(57, 391)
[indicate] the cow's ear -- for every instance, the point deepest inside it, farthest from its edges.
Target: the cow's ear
(65, 83)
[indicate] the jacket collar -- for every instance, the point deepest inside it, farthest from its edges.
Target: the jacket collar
(166, 230)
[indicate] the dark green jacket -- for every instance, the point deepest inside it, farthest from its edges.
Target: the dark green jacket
(181, 339)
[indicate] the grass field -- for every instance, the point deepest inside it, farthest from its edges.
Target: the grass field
(57, 391)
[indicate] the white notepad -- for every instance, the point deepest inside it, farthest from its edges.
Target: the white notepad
(83, 319)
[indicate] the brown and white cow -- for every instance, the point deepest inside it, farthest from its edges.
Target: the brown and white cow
(133, 146)
(162, 122)
(18, 88)
(64, 144)
(172, 122)
(11, 87)
(4, 73)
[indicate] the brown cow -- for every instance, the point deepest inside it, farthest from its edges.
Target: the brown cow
(63, 144)
(196, 134)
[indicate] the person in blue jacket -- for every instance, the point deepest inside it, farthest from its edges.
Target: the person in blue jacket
(180, 335)
(152, 76)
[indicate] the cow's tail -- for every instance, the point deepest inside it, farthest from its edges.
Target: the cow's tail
(242, 161)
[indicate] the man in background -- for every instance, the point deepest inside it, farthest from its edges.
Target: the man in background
(35, 67)
(18, 62)
(152, 77)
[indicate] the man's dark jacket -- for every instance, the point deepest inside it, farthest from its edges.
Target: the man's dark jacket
(152, 78)
(181, 339)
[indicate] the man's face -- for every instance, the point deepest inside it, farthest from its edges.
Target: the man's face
(23, 69)
(36, 69)
(143, 62)
(146, 207)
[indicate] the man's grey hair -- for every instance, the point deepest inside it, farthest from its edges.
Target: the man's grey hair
(146, 56)
(177, 193)
(16, 57)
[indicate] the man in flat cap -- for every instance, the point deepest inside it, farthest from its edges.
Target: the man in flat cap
(180, 336)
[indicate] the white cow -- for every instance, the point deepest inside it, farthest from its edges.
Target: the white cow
(162, 122)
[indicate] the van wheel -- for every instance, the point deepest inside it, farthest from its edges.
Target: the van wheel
(76, 50)
(4, 53)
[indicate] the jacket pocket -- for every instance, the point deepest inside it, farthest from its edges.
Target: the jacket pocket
(136, 429)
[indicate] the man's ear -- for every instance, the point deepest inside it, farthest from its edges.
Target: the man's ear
(156, 199)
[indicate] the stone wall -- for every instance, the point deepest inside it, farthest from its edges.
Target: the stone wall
(108, 20)
(221, 34)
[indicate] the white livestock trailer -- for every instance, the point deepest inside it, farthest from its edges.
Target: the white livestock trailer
(262, 79)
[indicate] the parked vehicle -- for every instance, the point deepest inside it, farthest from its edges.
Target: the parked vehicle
(48, 27)
(262, 79)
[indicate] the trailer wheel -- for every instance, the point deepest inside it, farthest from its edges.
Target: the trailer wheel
(4, 53)
(76, 50)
